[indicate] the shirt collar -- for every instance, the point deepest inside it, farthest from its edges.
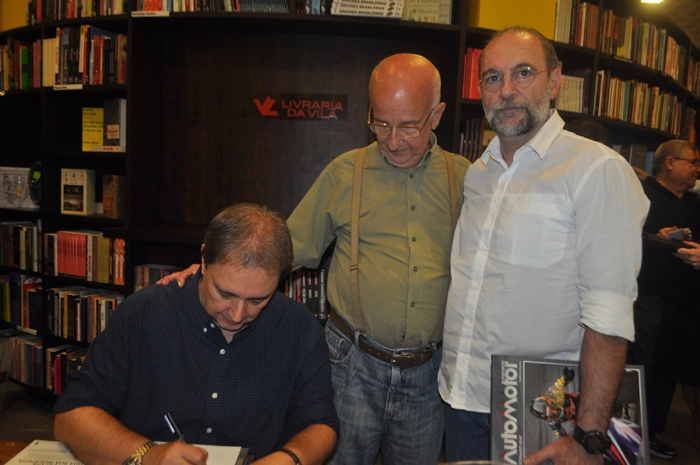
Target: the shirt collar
(431, 143)
(540, 143)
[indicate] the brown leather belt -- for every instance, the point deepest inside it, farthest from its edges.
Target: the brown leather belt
(397, 359)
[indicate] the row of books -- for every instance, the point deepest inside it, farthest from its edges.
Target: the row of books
(27, 356)
(78, 192)
(638, 103)
(637, 155)
(228, 6)
(21, 301)
(470, 83)
(20, 63)
(308, 287)
(20, 245)
(626, 37)
(61, 360)
(88, 55)
(150, 273)
(104, 128)
(85, 254)
(644, 43)
(576, 23)
(78, 312)
(471, 143)
(371, 8)
(39, 11)
(573, 91)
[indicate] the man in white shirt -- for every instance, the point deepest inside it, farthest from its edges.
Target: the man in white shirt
(545, 255)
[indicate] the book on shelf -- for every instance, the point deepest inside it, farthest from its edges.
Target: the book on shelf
(113, 195)
(15, 189)
(77, 191)
(19, 244)
(145, 275)
(383, 8)
(93, 128)
(115, 122)
(427, 11)
(534, 403)
(470, 84)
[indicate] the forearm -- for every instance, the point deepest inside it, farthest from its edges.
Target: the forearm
(313, 446)
(95, 437)
(602, 369)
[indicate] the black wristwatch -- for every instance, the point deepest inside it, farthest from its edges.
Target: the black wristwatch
(594, 442)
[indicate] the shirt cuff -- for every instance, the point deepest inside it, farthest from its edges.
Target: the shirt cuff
(608, 313)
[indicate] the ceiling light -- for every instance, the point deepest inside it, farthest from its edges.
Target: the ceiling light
(652, 1)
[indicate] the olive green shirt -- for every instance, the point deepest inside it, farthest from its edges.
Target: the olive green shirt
(405, 240)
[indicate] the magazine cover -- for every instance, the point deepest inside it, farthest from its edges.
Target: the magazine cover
(534, 402)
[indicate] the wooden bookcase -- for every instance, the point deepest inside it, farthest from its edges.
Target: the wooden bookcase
(196, 141)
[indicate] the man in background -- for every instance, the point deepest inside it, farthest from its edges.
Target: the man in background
(234, 361)
(674, 172)
(545, 255)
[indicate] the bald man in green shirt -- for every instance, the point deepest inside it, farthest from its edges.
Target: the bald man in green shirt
(385, 336)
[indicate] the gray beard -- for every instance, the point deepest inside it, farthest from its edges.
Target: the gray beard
(535, 115)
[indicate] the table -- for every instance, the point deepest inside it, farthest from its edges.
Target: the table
(9, 449)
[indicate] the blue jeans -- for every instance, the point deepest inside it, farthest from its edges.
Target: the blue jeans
(398, 409)
(466, 435)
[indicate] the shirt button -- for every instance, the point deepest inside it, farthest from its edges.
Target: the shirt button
(413, 207)
(211, 325)
(222, 351)
(413, 238)
(214, 395)
(208, 430)
(415, 268)
(205, 330)
(413, 304)
(410, 175)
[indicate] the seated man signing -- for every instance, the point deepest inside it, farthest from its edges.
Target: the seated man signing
(232, 360)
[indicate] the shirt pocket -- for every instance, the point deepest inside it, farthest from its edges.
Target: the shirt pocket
(534, 231)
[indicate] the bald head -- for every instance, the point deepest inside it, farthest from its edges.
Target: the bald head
(406, 75)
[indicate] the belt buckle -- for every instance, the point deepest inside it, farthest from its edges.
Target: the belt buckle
(396, 356)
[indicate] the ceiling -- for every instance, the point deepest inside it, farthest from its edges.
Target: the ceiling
(685, 14)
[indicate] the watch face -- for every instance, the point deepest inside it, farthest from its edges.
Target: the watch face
(597, 442)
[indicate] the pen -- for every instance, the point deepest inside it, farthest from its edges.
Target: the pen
(173, 426)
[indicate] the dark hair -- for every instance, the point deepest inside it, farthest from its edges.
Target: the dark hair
(248, 235)
(588, 128)
(550, 55)
(670, 148)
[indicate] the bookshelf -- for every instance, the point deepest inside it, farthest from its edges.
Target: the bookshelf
(197, 142)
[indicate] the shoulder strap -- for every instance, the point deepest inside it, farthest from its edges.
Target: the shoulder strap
(355, 239)
(437, 333)
(355, 228)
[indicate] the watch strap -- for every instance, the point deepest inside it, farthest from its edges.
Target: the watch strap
(137, 457)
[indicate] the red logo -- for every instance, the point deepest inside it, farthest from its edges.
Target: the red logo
(303, 106)
(265, 108)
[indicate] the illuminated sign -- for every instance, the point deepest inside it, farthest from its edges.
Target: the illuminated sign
(302, 106)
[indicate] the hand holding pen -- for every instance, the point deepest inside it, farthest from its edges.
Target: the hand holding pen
(173, 426)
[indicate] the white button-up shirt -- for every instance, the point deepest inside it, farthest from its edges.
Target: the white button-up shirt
(543, 247)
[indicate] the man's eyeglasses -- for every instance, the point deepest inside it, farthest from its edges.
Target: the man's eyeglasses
(405, 131)
(521, 77)
(695, 161)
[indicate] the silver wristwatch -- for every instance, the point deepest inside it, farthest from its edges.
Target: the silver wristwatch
(137, 457)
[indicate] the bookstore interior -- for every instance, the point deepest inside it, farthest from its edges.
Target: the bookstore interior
(128, 124)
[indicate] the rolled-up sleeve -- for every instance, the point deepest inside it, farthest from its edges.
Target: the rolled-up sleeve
(610, 210)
